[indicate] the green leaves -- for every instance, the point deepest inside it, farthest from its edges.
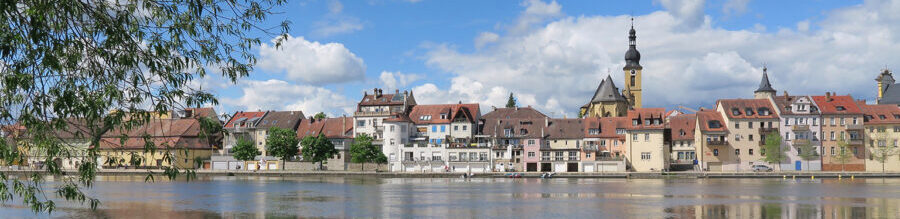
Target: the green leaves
(282, 143)
(244, 150)
(112, 66)
(774, 152)
(362, 151)
(317, 149)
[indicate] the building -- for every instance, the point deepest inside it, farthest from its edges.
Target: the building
(564, 144)
(765, 89)
(801, 126)
(603, 144)
(842, 125)
(683, 151)
(711, 142)
(888, 91)
(748, 120)
(253, 127)
(882, 130)
(607, 101)
(241, 126)
(423, 141)
(516, 135)
(632, 71)
(374, 108)
(646, 143)
(338, 130)
(179, 143)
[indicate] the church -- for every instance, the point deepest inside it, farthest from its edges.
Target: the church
(607, 101)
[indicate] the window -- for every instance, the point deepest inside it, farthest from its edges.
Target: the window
(464, 127)
(737, 125)
(360, 123)
(634, 137)
(620, 131)
(455, 128)
(634, 122)
(715, 152)
(645, 155)
(815, 121)
(882, 143)
(507, 132)
(832, 151)
(762, 151)
(832, 135)
(531, 154)
(750, 126)
(737, 137)
(594, 131)
(646, 137)
(530, 141)
(558, 155)
(443, 128)
(843, 122)
(434, 128)
(854, 120)
(832, 120)
(855, 150)
(587, 155)
(443, 116)
(392, 141)
(392, 127)
(751, 152)
(737, 151)
(750, 137)
(787, 136)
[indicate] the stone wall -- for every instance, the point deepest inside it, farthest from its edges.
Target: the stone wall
(334, 166)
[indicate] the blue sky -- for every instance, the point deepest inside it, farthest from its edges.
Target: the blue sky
(552, 54)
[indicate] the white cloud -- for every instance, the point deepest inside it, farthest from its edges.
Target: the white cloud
(312, 62)
(335, 23)
(686, 61)
(335, 6)
(397, 80)
(485, 38)
(281, 95)
(735, 7)
(536, 12)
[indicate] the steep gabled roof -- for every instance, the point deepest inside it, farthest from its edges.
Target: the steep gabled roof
(607, 126)
(565, 129)
(607, 92)
(240, 117)
(514, 113)
(764, 85)
(280, 119)
(643, 114)
(683, 123)
(837, 105)
(451, 111)
(881, 114)
(711, 121)
(171, 133)
(340, 127)
(748, 108)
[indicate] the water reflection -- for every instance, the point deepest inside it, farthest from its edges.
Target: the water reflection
(263, 197)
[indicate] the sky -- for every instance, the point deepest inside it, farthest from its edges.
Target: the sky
(553, 54)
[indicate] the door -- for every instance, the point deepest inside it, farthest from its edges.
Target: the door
(531, 167)
(546, 167)
(798, 165)
(559, 167)
(572, 167)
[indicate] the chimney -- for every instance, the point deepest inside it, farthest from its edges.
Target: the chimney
(493, 108)
(786, 93)
(397, 91)
(828, 96)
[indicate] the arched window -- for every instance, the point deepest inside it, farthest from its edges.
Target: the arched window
(633, 74)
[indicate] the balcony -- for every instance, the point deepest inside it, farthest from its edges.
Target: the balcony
(855, 127)
(800, 128)
(620, 158)
(855, 142)
(382, 113)
(798, 142)
(682, 161)
(379, 128)
(717, 143)
(764, 131)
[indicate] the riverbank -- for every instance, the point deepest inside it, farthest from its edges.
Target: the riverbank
(623, 175)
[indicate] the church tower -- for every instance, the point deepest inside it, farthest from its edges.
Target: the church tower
(765, 89)
(633, 70)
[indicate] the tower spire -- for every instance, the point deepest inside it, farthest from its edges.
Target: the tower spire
(765, 88)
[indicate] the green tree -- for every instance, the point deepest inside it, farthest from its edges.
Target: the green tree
(317, 149)
(881, 153)
(320, 115)
(511, 102)
(774, 152)
(282, 143)
(807, 152)
(363, 151)
(245, 150)
(843, 155)
(112, 65)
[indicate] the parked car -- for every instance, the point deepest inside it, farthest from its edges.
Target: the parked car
(761, 168)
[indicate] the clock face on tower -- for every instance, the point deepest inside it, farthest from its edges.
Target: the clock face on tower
(632, 72)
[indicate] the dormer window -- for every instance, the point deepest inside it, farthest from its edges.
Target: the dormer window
(749, 111)
(647, 122)
(896, 116)
(735, 111)
(763, 111)
(682, 132)
(882, 117)
(787, 108)
(523, 131)
(813, 109)
(594, 131)
(443, 116)
(425, 118)
(634, 122)
(620, 131)
(714, 124)
(840, 108)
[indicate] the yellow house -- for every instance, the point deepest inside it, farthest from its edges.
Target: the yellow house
(882, 130)
(646, 147)
(178, 143)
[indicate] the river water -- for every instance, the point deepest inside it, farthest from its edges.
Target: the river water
(342, 197)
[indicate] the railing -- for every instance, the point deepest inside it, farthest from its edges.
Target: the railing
(800, 128)
(855, 127)
(717, 143)
(856, 141)
(382, 113)
(763, 130)
(682, 161)
(379, 128)
(800, 141)
(573, 158)
(610, 158)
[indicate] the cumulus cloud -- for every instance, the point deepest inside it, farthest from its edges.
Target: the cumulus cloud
(485, 38)
(686, 60)
(335, 23)
(312, 62)
(536, 12)
(397, 80)
(282, 95)
(735, 7)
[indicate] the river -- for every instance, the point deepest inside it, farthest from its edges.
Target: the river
(341, 197)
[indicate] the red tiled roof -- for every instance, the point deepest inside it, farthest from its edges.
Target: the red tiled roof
(534, 128)
(704, 117)
(514, 113)
(607, 126)
(881, 114)
(784, 101)
(742, 105)
(384, 99)
(683, 123)
(469, 111)
(566, 129)
(244, 115)
(340, 127)
(171, 133)
(642, 114)
(833, 104)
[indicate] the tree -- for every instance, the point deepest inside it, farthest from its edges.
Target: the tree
(113, 65)
(282, 143)
(363, 151)
(320, 115)
(843, 155)
(774, 153)
(807, 152)
(511, 102)
(245, 150)
(317, 149)
(881, 153)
